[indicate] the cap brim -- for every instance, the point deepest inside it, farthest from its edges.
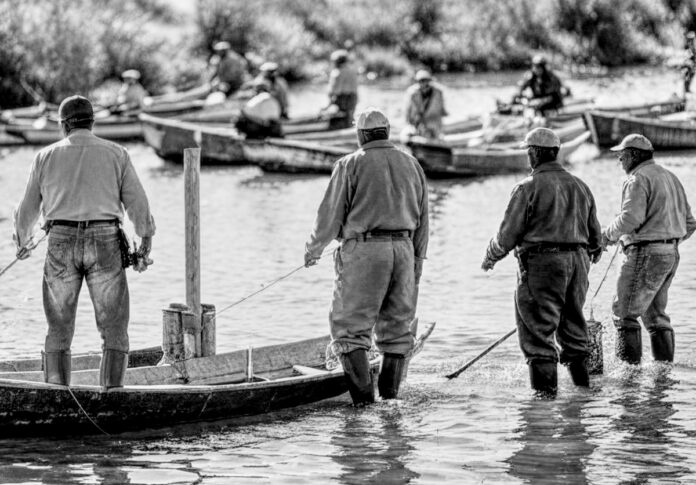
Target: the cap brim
(523, 144)
(617, 148)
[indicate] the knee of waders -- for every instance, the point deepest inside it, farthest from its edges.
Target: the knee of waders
(390, 375)
(629, 345)
(358, 374)
(662, 344)
(112, 370)
(56, 367)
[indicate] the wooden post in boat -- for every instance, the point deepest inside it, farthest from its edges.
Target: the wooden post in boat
(192, 168)
(207, 330)
(173, 333)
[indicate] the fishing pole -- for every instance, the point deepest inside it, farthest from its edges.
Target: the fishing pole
(511, 332)
(28, 247)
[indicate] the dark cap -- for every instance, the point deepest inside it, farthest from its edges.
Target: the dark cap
(75, 108)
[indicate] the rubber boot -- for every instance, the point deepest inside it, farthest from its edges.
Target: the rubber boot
(543, 375)
(629, 345)
(112, 370)
(662, 343)
(56, 367)
(390, 375)
(579, 372)
(358, 374)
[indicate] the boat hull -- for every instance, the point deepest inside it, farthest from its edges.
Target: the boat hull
(609, 129)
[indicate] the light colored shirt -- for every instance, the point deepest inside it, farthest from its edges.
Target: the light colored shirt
(343, 80)
(80, 178)
(376, 187)
(263, 107)
(653, 207)
(131, 95)
(425, 112)
(549, 206)
(279, 89)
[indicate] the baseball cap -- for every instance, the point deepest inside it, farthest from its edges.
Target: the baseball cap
(370, 119)
(634, 140)
(541, 137)
(131, 73)
(222, 46)
(268, 67)
(423, 74)
(338, 55)
(75, 108)
(538, 60)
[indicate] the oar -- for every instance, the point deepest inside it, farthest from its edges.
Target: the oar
(479, 356)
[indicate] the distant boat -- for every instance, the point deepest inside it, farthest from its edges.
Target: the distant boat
(223, 386)
(672, 132)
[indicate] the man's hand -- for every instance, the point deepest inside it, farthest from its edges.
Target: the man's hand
(309, 260)
(418, 268)
(23, 252)
(142, 255)
(606, 241)
(596, 255)
(487, 264)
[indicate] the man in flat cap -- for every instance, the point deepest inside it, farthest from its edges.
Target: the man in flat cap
(425, 106)
(228, 69)
(552, 225)
(376, 206)
(81, 185)
(655, 217)
(132, 93)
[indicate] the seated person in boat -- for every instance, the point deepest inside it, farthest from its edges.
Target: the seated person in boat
(425, 107)
(260, 116)
(81, 185)
(551, 225)
(376, 205)
(540, 88)
(132, 93)
(227, 68)
(343, 90)
(277, 86)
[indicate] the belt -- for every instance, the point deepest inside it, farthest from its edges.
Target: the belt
(658, 241)
(553, 248)
(93, 222)
(385, 234)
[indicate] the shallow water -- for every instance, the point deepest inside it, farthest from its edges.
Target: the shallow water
(632, 426)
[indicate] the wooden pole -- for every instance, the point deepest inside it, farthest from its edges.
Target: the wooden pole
(192, 169)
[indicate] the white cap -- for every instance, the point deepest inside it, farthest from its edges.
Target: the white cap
(541, 137)
(634, 140)
(370, 119)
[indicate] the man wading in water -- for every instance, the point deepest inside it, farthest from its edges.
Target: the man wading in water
(655, 217)
(552, 225)
(376, 205)
(81, 185)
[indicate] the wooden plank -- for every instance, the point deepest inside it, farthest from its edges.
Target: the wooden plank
(192, 169)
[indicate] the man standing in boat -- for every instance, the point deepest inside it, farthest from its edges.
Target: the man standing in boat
(81, 186)
(343, 89)
(425, 107)
(655, 218)
(227, 68)
(376, 205)
(552, 225)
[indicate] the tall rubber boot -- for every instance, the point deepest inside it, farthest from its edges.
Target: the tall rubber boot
(390, 375)
(579, 372)
(543, 375)
(56, 367)
(629, 345)
(112, 370)
(358, 375)
(662, 343)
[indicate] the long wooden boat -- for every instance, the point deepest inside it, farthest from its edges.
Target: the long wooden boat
(244, 382)
(572, 109)
(440, 159)
(45, 130)
(609, 129)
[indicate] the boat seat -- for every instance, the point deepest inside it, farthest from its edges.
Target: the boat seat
(308, 371)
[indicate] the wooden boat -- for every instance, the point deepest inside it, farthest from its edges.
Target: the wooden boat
(295, 156)
(45, 130)
(443, 159)
(572, 109)
(244, 382)
(668, 132)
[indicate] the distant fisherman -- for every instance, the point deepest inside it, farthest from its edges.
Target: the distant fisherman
(655, 218)
(376, 205)
(81, 185)
(132, 93)
(343, 89)
(277, 86)
(260, 116)
(552, 225)
(541, 87)
(425, 107)
(227, 68)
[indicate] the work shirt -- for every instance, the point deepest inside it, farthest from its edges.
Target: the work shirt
(229, 69)
(425, 112)
(343, 80)
(131, 95)
(376, 187)
(549, 206)
(80, 178)
(547, 85)
(653, 207)
(279, 89)
(262, 108)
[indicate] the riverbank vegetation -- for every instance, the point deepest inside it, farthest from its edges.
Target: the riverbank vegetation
(49, 49)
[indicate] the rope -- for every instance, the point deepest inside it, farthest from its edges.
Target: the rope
(85, 412)
(606, 273)
(28, 247)
(268, 285)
